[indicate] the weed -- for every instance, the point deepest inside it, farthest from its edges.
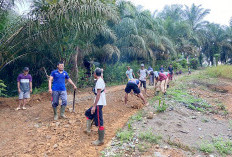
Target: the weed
(125, 135)
(138, 116)
(222, 146)
(161, 108)
(230, 124)
(142, 147)
(179, 145)
(204, 120)
(221, 106)
(206, 147)
(149, 137)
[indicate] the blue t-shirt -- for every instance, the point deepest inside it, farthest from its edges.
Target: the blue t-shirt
(58, 83)
(134, 81)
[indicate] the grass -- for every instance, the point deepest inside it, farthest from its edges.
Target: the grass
(149, 136)
(230, 124)
(125, 135)
(206, 147)
(138, 116)
(181, 95)
(223, 147)
(222, 71)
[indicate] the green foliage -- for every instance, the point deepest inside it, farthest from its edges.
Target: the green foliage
(206, 147)
(216, 58)
(222, 71)
(125, 135)
(84, 80)
(223, 146)
(184, 63)
(176, 65)
(138, 116)
(2, 88)
(149, 136)
(161, 106)
(194, 63)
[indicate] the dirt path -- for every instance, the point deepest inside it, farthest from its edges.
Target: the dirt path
(34, 133)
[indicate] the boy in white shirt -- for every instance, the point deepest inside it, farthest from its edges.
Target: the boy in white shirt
(95, 112)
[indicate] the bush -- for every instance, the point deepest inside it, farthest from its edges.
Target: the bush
(176, 65)
(184, 63)
(194, 63)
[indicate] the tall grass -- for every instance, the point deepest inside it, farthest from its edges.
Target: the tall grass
(222, 71)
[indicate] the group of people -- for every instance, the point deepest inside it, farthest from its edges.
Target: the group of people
(160, 80)
(57, 89)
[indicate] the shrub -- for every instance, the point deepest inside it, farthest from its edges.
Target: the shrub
(223, 71)
(194, 63)
(184, 63)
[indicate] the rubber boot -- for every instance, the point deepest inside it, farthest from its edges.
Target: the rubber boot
(62, 110)
(100, 140)
(88, 127)
(55, 113)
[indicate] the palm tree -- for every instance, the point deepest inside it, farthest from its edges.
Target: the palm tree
(195, 16)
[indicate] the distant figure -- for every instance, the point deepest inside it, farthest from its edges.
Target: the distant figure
(24, 83)
(180, 72)
(151, 73)
(162, 69)
(129, 73)
(143, 77)
(170, 69)
(189, 70)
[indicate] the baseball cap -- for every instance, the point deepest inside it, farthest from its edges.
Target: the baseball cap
(142, 65)
(26, 69)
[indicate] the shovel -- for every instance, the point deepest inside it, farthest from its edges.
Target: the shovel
(74, 94)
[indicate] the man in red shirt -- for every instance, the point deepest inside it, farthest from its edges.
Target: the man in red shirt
(161, 82)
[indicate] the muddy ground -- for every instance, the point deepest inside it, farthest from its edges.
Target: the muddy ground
(33, 132)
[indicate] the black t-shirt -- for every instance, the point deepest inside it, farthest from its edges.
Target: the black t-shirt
(170, 69)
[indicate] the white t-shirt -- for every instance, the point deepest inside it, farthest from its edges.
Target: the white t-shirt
(129, 73)
(100, 84)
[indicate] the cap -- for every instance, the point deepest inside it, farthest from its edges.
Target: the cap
(142, 65)
(156, 74)
(26, 69)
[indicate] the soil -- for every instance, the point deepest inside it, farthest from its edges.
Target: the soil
(33, 132)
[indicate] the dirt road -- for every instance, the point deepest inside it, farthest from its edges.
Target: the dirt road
(33, 132)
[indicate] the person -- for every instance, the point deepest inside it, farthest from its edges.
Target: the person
(162, 69)
(180, 72)
(24, 83)
(160, 83)
(56, 86)
(95, 111)
(151, 73)
(143, 77)
(134, 85)
(167, 80)
(129, 73)
(189, 70)
(170, 69)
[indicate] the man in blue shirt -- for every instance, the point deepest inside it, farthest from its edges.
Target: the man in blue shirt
(58, 90)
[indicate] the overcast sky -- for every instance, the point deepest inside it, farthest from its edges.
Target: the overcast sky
(221, 10)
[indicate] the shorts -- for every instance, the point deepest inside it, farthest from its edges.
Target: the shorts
(143, 83)
(24, 95)
(97, 116)
(131, 86)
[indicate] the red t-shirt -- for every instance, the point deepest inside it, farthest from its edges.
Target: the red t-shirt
(162, 77)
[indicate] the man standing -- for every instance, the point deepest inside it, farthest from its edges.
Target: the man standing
(95, 111)
(134, 85)
(170, 69)
(151, 73)
(143, 77)
(162, 69)
(129, 73)
(24, 83)
(58, 90)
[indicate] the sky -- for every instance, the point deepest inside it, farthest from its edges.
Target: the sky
(221, 11)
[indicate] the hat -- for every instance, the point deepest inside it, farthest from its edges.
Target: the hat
(26, 69)
(142, 65)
